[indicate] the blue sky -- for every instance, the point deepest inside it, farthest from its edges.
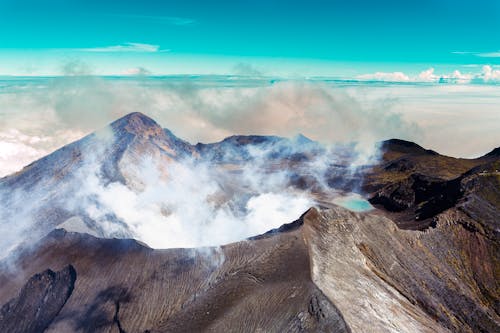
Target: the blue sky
(295, 38)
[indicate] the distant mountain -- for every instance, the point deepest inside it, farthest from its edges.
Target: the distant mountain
(424, 260)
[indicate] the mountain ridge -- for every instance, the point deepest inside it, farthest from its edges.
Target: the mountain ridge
(424, 259)
(140, 125)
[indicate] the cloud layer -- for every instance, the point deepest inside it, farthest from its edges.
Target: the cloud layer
(489, 75)
(40, 115)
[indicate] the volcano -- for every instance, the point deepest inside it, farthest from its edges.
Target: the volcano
(424, 258)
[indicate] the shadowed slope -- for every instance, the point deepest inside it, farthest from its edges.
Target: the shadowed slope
(38, 302)
(261, 285)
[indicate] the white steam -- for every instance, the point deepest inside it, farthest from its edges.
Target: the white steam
(190, 208)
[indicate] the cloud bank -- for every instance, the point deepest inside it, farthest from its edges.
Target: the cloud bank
(40, 115)
(489, 75)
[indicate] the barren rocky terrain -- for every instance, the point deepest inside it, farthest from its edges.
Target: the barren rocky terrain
(426, 259)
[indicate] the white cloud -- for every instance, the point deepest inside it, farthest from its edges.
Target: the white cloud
(490, 74)
(383, 76)
(136, 71)
(127, 47)
(460, 77)
(494, 54)
(18, 149)
(15, 155)
(428, 76)
(489, 54)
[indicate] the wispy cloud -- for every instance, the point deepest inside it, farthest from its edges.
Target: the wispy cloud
(170, 20)
(494, 54)
(489, 54)
(463, 52)
(126, 47)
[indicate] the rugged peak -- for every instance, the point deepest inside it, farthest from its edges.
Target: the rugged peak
(138, 124)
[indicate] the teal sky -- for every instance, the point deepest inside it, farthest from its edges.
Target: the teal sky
(291, 38)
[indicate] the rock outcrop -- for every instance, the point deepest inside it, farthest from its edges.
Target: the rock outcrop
(39, 302)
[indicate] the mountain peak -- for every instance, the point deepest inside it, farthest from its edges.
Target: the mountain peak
(138, 124)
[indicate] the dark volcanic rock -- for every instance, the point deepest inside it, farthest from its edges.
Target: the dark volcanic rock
(411, 191)
(259, 285)
(406, 147)
(494, 153)
(432, 196)
(402, 164)
(39, 302)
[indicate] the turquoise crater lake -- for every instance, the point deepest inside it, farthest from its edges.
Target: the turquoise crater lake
(353, 202)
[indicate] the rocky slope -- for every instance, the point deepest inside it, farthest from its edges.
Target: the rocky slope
(425, 260)
(124, 286)
(333, 270)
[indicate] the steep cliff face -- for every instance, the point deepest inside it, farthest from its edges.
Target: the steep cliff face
(414, 186)
(401, 280)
